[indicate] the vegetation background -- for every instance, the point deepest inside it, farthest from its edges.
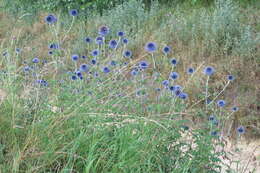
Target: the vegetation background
(222, 33)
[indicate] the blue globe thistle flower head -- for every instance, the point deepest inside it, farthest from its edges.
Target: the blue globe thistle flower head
(50, 52)
(17, 50)
(26, 68)
(212, 118)
(95, 74)
(174, 61)
(121, 34)
(88, 39)
(74, 12)
(53, 46)
(35, 60)
(103, 30)
(84, 68)
(165, 83)
(84, 57)
(112, 44)
(42, 82)
(5, 53)
(127, 54)
(106, 70)
(151, 47)
(209, 71)
(230, 77)
(174, 75)
(166, 50)
(241, 130)
(125, 41)
(113, 63)
(221, 103)
(190, 70)
(143, 65)
(172, 88)
(177, 92)
(95, 52)
(214, 133)
(177, 87)
(235, 108)
(99, 40)
(50, 19)
(74, 77)
(134, 72)
(78, 73)
(183, 95)
(93, 61)
(75, 57)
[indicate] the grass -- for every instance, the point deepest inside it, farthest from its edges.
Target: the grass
(116, 122)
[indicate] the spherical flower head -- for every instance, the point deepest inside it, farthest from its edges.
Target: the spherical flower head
(50, 19)
(17, 50)
(5, 53)
(143, 65)
(74, 12)
(113, 63)
(241, 130)
(121, 34)
(230, 77)
(134, 72)
(165, 83)
(127, 54)
(78, 73)
(103, 30)
(106, 70)
(183, 96)
(95, 52)
(177, 92)
(42, 82)
(125, 41)
(174, 61)
(212, 118)
(35, 60)
(84, 57)
(190, 70)
(221, 103)
(214, 133)
(88, 40)
(166, 49)
(99, 40)
(26, 68)
(209, 71)
(53, 46)
(93, 61)
(177, 87)
(50, 52)
(235, 108)
(84, 67)
(151, 47)
(112, 44)
(75, 57)
(174, 75)
(74, 77)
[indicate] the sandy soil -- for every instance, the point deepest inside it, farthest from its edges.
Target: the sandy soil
(244, 156)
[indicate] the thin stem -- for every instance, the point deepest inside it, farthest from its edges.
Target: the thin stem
(220, 92)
